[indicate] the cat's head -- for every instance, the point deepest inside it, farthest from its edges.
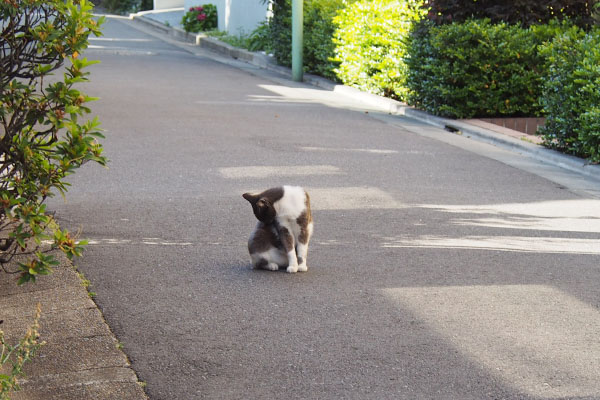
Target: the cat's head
(262, 207)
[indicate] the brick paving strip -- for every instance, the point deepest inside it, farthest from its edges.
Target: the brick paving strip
(81, 358)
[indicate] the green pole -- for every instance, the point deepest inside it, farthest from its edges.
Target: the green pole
(297, 40)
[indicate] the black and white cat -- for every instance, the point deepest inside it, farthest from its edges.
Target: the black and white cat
(284, 228)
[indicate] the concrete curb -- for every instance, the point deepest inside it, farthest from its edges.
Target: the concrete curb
(390, 106)
(82, 358)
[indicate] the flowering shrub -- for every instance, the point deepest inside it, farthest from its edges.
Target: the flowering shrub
(200, 18)
(45, 134)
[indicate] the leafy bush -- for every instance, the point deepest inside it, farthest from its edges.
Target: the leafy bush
(318, 52)
(280, 31)
(43, 141)
(200, 18)
(319, 46)
(524, 12)
(475, 69)
(370, 44)
(120, 6)
(259, 38)
(571, 93)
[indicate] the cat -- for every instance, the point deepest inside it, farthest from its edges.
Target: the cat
(284, 228)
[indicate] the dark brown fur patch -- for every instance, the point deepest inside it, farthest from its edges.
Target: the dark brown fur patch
(303, 220)
(272, 194)
(264, 239)
(286, 239)
(261, 263)
(262, 204)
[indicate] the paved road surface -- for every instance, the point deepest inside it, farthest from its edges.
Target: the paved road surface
(440, 268)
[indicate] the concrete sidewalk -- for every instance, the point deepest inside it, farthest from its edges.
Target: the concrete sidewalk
(81, 358)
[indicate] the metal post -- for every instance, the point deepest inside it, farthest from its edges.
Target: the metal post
(297, 40)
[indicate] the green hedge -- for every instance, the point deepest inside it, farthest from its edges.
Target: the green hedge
(520, 12)
(475, 69)
(370, 44)
(571, 93)
(318, 53)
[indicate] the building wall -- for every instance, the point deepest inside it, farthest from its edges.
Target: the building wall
(235, 16)
(166, 4)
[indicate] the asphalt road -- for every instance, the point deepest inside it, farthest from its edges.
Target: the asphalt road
(440, 268)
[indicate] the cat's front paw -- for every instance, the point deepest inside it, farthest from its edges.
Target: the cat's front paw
(302, 268)
(292, 269)
(272, 266)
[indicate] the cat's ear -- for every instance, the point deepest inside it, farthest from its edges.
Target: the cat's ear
(250, 197)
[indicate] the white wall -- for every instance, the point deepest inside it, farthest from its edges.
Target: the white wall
(165, 4)
(245, 15)
(235, 16)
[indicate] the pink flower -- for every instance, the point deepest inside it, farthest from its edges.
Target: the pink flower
(201, 17)
(191, 9)
(199, 9)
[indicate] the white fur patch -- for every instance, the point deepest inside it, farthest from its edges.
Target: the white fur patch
(292, 204)
(273, 256)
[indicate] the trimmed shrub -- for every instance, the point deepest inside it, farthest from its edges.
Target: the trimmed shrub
(43, 139)
(475, 69)
(524, 12)
(371, 46)
(200, 18)
(571, 93)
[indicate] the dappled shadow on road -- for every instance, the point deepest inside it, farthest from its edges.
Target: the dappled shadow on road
(501, 284)
(536, 338)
